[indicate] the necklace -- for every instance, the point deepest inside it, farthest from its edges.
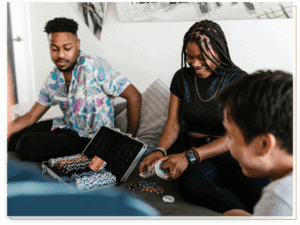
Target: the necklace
(203, 100)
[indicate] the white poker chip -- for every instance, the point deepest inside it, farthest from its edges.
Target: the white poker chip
(168, 198)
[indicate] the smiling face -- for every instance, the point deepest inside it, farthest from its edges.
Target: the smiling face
(64, 49)
(249, 156)
(195, 59)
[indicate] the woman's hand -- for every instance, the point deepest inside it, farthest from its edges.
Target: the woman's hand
(176, 163)
(149, 160)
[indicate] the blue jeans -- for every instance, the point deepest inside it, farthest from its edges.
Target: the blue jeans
(29, 193)
(150, 148)
(217, 183)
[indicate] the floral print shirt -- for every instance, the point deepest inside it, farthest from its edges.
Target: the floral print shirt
(89, 103)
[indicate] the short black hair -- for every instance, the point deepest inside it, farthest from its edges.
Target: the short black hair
(262, 103)
(61, 24)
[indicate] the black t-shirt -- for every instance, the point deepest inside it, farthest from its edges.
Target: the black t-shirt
(202, 117)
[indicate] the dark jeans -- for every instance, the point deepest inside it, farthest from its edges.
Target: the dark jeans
(38, 143)
(217, 183)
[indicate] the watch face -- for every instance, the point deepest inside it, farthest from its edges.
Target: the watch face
(191, 157)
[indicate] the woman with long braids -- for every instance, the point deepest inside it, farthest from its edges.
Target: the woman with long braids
(195, 151)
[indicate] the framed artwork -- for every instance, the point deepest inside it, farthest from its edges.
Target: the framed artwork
(193, 11)
(92, 13)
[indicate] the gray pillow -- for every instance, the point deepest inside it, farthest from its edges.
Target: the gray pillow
(154, 113)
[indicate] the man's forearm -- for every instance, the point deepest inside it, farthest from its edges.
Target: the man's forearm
(133, 114)
(18, 124)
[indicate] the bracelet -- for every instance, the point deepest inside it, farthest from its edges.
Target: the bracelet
(196, 154)
(160, 150)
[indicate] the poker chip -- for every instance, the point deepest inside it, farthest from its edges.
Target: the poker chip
(95, 180)
(151, 189)
(168, 198)
(151, 185)
(159, 190)
(134, 187)
(143, 183)
(145, 189)
(140, 188)
(131, 187)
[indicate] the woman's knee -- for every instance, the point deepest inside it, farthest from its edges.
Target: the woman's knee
(196, 181)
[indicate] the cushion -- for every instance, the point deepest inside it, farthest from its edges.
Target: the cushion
(154, 113)
(119, 107)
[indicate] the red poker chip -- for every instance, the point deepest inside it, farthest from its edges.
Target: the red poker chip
(159, 191)
(151, 189)
(145, 189)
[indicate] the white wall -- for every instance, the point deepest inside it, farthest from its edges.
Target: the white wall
(145, 51)
(40, 13)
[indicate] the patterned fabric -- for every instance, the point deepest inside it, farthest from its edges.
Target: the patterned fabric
(89, 103)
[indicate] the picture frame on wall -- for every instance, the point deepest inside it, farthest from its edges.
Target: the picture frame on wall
(93, 15)
(193, 11)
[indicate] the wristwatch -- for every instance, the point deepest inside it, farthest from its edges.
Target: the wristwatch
(191, 157)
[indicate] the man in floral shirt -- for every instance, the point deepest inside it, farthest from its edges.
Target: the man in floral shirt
(84, 87)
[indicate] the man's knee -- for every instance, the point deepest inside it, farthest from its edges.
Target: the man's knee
(25, 148)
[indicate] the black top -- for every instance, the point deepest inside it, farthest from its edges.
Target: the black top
(202, 117)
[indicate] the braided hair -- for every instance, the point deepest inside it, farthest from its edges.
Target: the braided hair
(218, 42)
(61, 24)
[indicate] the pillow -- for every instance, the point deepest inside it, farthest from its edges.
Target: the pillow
(154, 113)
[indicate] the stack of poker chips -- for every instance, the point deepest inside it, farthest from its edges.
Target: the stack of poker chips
(74, 176)
(62, 163)
(95, 180)
(74, 164)
(52, 162)
(146, 187)
(85, 174)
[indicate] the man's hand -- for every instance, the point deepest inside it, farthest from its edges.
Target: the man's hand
(176, 163)
(149, 160)
(36, 112)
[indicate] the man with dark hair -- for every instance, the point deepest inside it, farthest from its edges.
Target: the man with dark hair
(258, 117)
(84, 87)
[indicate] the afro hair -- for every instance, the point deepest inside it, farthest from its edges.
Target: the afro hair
(61, 24)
